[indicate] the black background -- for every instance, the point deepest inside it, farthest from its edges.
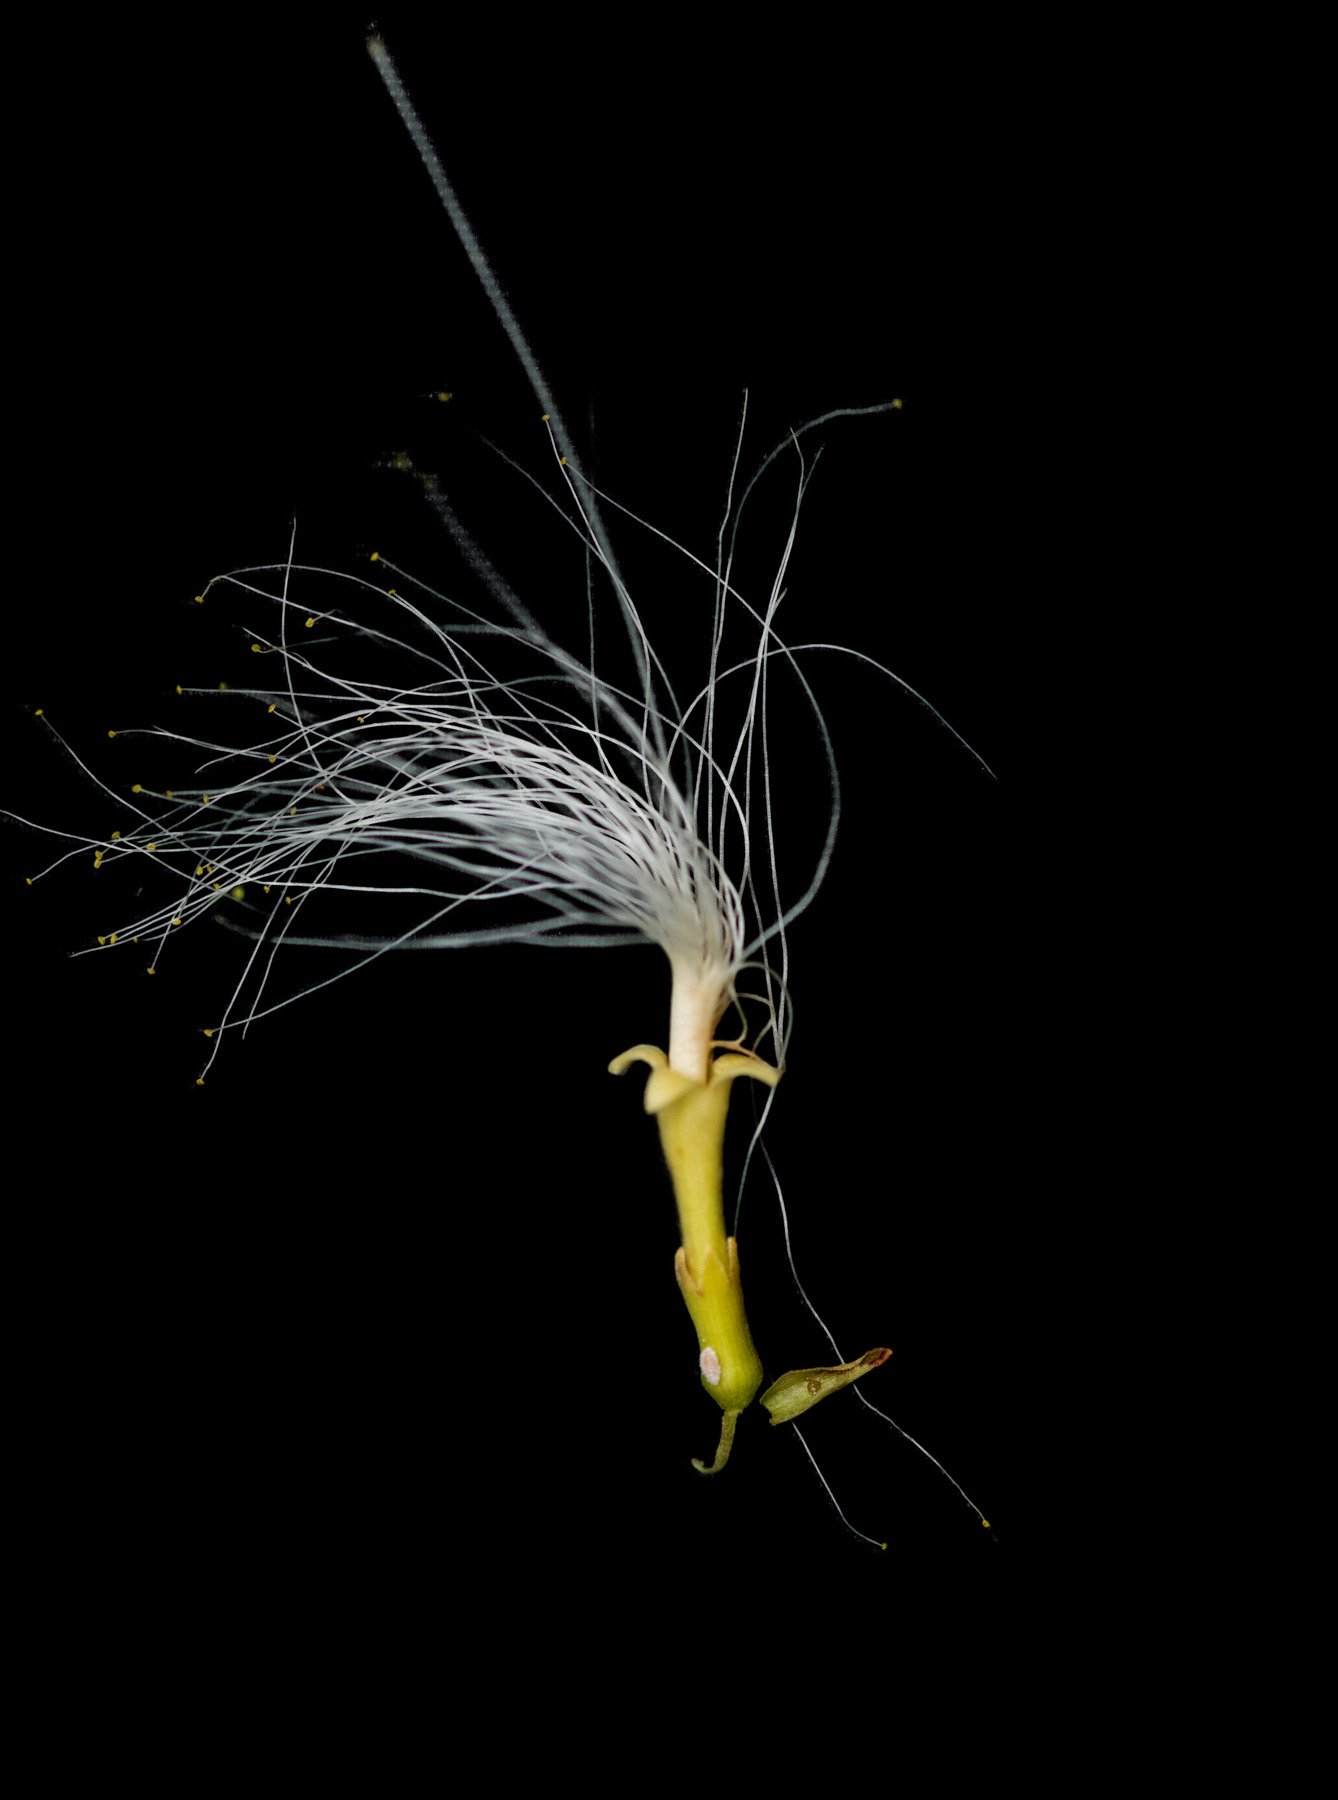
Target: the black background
(387, 1306)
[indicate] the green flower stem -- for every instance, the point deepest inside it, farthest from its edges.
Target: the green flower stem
(691, 1117)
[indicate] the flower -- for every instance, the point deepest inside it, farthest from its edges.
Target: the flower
(425, 751)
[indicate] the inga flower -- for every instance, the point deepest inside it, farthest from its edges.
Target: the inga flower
(439, 771)
(411, 750)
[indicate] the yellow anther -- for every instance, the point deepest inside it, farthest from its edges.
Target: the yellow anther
(375, 556)
(102, 940)
(272, 706)
(178, 687)
(896, 407)
(264, 890)
(168, 794)
(199, 1081)
(239, 893)
(97, 859)
(39, 713)
(150, 846)
(176, 921)
(256, 648)
(209, 1031)
(273, 759)
(28, 879)
(205, 799)
(199, 869)
(138, 788)
(199, 599)
(218, 887)
(112, 938)
(116, 834)
(310, 623)
(150, 970)
(288, 899)
(111, 734)
(443, 395)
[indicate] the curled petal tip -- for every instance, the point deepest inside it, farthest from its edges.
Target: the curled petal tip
(643, 1053)
(743, 1062)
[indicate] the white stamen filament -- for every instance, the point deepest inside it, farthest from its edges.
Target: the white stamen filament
(699, 997)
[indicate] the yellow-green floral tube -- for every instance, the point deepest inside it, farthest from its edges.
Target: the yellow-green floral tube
(691, 1117)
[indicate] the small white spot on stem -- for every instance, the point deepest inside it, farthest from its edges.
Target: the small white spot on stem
(709, 1363)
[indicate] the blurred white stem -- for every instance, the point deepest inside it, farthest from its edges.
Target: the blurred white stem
(698, 1000)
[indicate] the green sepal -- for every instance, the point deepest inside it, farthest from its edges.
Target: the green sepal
(794, 1393)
